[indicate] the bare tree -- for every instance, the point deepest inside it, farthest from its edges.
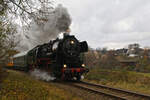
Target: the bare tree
(29, 9)
(24, 10)
(7, 40)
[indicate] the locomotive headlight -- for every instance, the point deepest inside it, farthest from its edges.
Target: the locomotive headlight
(65, 65)
(72, 42)
(83, 65)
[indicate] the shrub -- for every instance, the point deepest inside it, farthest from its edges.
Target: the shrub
(118, 76)
(0, 73)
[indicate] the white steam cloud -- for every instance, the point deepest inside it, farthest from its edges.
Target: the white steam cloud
(42, 75)
(57, 21)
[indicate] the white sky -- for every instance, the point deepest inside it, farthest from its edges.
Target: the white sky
(110, 23)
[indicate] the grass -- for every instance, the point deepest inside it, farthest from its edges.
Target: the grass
(2, 74)
(134, 81)
(18, 86)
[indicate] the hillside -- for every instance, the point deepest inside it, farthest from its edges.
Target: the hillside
(20, 86)
(130, 80)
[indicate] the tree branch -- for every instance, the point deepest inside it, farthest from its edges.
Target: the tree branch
(19, 7)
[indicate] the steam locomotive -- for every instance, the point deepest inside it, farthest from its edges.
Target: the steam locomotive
(62, 58)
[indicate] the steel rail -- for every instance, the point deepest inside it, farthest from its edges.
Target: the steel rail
(131, 93)
(112, 96)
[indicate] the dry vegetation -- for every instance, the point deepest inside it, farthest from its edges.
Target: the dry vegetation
(106, 69)
(121, 79)
(18, 86)
(111, 60)
(0, 73)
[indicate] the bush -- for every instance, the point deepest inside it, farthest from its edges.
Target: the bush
(3, 73)
(0, 73)
(130, 68)
(118, 76)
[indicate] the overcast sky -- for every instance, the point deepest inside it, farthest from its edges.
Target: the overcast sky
(110, 23)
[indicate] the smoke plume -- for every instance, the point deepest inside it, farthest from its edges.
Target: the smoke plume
(47, 28)
(42, 75)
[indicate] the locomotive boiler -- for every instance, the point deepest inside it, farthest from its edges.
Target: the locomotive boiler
(62, 58)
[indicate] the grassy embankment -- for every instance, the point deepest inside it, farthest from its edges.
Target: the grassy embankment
(18, 86)
(134, 81)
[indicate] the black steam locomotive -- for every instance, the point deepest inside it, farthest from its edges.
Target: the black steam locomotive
(62, 58)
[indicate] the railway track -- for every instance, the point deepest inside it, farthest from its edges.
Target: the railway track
(112, 93)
